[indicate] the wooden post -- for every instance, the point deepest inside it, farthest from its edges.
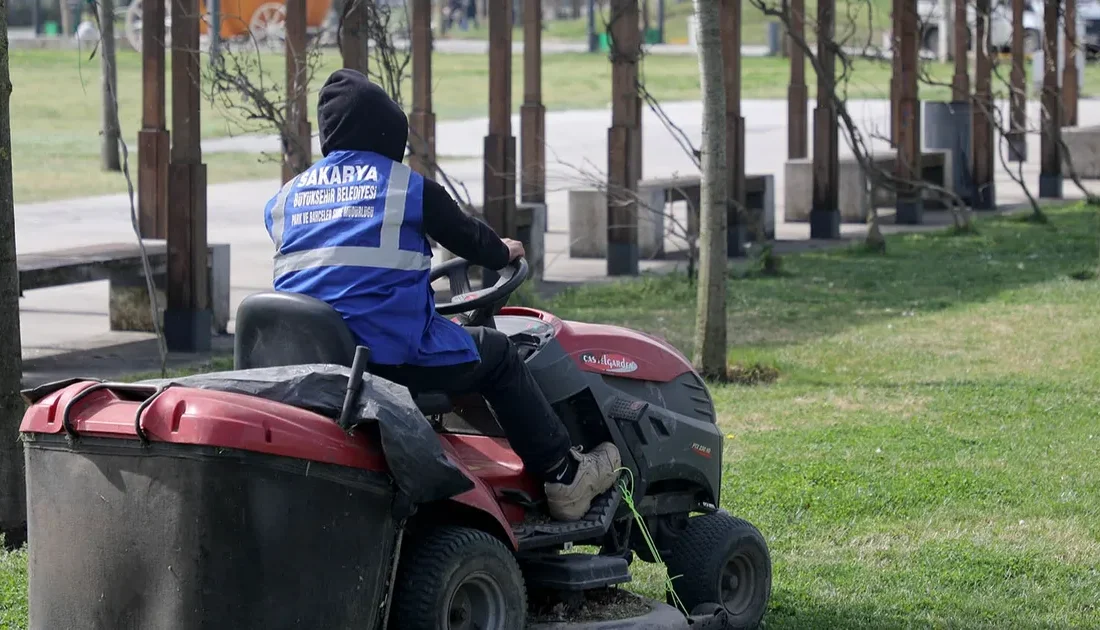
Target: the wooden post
(907, 165)
(739, 226)
(797, 94)
(960, 82)
(353, 36)
(298, 143)
(422, 120)
(500, 144)
(187, 319)
(153, 138)
(895, 52)
(1070, 89)
(1017, 133)
(981, 115)
(622, 154)
(533, 113)
(824, 208)
(1050, 149)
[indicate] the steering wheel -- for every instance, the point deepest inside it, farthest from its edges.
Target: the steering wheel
(478, 306)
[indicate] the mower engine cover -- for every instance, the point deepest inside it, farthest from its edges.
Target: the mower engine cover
(415, 457)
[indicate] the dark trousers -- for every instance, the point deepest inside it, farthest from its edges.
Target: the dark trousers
(502, 378)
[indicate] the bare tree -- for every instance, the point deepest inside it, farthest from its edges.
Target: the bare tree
(13, 508)
(108, 153)
(710, 318)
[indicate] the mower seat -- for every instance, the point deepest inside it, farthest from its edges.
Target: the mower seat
(276, 328)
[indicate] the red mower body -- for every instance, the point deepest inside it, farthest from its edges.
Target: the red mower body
(612, 350)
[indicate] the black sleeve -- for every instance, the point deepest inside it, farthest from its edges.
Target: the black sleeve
(461, 234)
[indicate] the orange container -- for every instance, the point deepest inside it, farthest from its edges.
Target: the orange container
(238, 16)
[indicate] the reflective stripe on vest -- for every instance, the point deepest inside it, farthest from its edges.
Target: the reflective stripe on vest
(388, 254)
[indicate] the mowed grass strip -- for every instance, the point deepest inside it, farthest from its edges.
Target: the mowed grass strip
(927, 457)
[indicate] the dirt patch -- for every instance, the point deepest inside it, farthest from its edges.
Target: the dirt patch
(602, 604)
(755, 374)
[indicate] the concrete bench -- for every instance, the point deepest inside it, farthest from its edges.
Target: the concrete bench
(588, 226)
(759, 201)
(530, 230)
(120, 264)
(588, 213)
(855, 194)
(1083, 145)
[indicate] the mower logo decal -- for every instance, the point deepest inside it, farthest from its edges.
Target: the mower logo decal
(701, 450)
(610, 363)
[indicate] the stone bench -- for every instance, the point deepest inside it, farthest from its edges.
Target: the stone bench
(120, 264)
(530, 230)
(588, 213)
(1083, 145)
(855, 194)
(759, 200)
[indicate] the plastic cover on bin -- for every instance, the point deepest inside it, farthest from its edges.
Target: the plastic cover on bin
(420, 467)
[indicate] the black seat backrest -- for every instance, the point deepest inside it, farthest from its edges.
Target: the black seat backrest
(276, 328)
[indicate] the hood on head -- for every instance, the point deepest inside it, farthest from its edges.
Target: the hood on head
(354, 114)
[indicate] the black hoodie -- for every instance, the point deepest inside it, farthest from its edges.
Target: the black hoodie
(354, 114)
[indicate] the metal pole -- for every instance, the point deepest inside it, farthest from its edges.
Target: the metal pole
(593, 42)
(215, 30)
(661, 21)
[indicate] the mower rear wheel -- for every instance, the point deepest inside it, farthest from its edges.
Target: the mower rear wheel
(724, 560)
(458, 578)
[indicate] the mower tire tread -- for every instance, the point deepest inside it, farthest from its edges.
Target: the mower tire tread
(429, 565)
(699, 555)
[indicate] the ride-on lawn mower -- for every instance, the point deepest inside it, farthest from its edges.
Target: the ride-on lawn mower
(299, 492)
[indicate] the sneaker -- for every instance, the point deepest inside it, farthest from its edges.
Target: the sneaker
(596, 472)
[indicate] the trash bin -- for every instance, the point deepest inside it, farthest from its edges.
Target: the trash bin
(222, 518)
(947, 127)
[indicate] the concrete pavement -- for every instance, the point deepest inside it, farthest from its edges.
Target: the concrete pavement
(58, 320)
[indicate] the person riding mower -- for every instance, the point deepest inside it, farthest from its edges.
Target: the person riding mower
(352, 231)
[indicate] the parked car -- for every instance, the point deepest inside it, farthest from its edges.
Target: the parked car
(1000, 25)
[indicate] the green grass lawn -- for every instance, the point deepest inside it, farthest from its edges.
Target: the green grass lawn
(927, 457)
(56, 130)
(858, 22)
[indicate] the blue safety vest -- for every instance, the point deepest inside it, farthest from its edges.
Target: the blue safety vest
(348, 231)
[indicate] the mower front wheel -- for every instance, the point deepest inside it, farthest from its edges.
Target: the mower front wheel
(458, 578)
(722, 560)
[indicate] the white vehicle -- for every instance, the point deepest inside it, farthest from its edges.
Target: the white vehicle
(1000, 26)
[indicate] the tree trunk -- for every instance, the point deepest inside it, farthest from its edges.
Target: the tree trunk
(710, 318)
(13, 508)
(108, 152)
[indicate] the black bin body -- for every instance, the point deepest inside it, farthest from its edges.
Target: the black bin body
(186, 537)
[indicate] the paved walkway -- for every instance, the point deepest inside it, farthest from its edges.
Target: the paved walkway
(55, 320)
